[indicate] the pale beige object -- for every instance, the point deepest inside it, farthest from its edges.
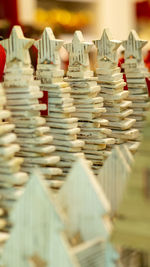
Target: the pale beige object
(17, 46)
(48, 48)
(45, 224)
(86, 191)
(78, 50)
(133, 46)
(60, 108)
(118, 110)
(107, 47)
(23, 93)
(136, 73)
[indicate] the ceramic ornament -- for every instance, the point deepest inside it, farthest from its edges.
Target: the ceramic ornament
(12, 179)
(118, 109)
(136, 74)
(23, 94)
(64, 126)
(88, 103)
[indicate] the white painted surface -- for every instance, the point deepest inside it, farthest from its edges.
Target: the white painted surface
(84, 204)
(37, 229)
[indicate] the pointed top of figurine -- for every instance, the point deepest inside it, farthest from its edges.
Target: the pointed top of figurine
(133, 46)
(82, 191)
(107, 47)
(78, 50)
(48, 48)
(17, 46)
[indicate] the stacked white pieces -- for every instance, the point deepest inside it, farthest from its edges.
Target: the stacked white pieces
(33, 134)
(11, 179)
(118, 109)
(136, 74)
(64, 127)
(89, 106)
(138, 93)
(22, 99)
(89, 109)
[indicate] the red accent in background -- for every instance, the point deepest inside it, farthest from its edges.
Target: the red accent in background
(120, 62)
(9, 11)
(2, 62)
(34, 56)
(147, 60)
(148, 84)
(143, 9)
(44, 100)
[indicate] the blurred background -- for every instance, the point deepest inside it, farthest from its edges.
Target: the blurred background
(66, 16)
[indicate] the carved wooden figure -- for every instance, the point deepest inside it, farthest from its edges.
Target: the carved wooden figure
(36, 238)
(78, 51)
(107, 47)
(82, 201)
(133, 46)
(112, 84)
(48, 48)
(50, 230)
(17, 46)
(136, 74)
(64, 127)
(22, 93)
(113, 176)
(11, 178)
(88, 103)
(85, 206)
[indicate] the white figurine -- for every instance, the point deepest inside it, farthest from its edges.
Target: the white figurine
(63, 125)
(23, 94)
(118, 110)
(88, 103)
(136, 78)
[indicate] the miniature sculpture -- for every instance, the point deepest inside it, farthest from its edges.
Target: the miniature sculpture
(131, 230)
(36, 238)
(118, 109)
(81, 187)
(64, 127)
(113, 175)
(84, 117)
(89, 106)
(85, 206)
(135, 74)
(48, 225)
(22, 99)
(11, 179)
